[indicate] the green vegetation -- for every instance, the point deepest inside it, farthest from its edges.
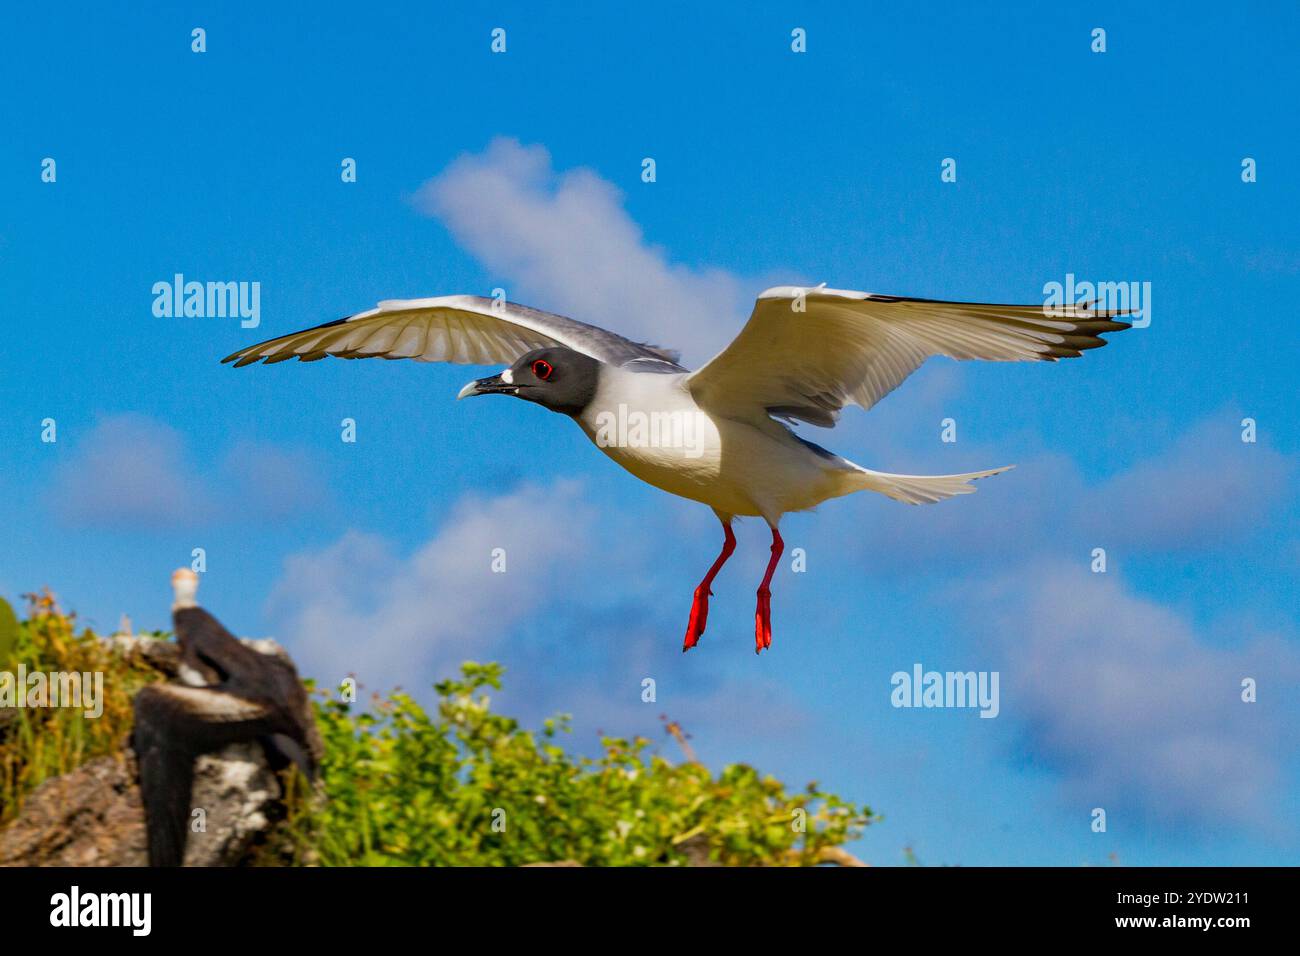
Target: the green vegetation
(470, 787)
(460, 786)
(42, 742)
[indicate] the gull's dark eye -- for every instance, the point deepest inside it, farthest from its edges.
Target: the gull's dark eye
(542, 369)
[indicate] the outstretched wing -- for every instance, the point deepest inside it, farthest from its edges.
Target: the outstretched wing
(806, 353)
(466, 329)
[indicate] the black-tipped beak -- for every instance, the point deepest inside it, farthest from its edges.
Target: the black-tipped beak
(492, 385)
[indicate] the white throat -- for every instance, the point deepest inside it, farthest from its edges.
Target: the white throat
(185, 586)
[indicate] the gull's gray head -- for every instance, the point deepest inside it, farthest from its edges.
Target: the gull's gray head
(556, 378)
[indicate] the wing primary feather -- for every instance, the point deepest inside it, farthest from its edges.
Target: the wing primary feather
(847, 347)
(462, 329)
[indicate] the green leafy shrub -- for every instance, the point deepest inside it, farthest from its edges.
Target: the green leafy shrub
(37, 743)
(468, 786)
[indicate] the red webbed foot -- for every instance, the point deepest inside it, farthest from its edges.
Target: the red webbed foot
(763, 616)
(700, 603)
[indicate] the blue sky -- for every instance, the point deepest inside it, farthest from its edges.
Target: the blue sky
(522, 171)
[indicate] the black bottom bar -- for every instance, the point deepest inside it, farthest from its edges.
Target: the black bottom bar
(300, 904)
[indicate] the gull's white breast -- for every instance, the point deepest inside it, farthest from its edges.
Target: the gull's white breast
(650, 425)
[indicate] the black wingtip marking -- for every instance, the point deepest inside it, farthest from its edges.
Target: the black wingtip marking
(250, 361)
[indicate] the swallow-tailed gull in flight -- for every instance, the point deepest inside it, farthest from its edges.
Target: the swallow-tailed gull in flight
(717, 435)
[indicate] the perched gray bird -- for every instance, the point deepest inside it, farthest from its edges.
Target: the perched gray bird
(716, 435)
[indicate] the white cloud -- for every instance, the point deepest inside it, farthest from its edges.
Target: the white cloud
(1206, 490)
(564, 243)
(1116, 693)
(584, 612)
(1208, 487)
(131, 471)
(357, 607)
(1133, 708)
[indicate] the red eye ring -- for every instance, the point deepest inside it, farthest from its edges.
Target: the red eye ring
(542, 369)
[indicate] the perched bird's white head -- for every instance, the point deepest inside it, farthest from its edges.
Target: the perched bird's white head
(185, 585)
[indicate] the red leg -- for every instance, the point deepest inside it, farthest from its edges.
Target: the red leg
(700, 605)
(763, 616)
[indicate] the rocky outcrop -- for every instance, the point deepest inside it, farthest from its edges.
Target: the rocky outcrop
(94, 816)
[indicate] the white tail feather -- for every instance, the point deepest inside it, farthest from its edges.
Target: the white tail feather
(921, 489)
